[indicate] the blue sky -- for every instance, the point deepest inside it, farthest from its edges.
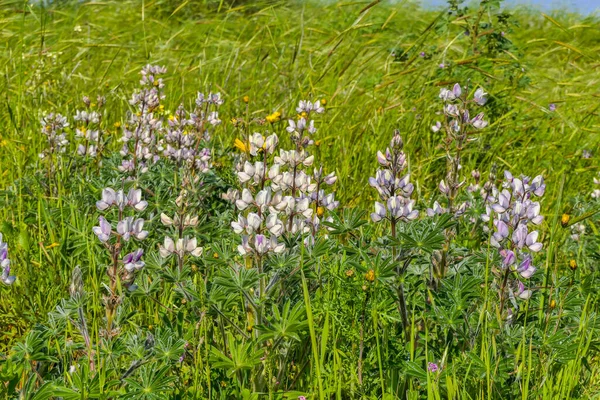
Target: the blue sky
(583, 6)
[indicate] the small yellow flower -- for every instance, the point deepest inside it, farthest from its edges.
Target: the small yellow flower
(93, 105)
(171, 117)
(565, 219)
(53, 245)
(117, 124)
(240, 145)
(276, 116)
(350, 273)
(161, 107)
(370, 276)
(553, 304)
(83, 129)
(3, 143)
(573, 265)
(320, 211)
(317, 143)
(215, 255)
(246, 99)
(303, 114)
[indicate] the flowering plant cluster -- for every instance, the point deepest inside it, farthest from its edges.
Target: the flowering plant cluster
(88, 131)
(457, 126)
(122, 268)
(514, 214)
(237, 288)
(53, 127)
(140, 134)
(187, 131)
(281, 197)
(393, 186)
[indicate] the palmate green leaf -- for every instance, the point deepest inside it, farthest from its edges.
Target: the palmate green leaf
(286, 324)
(424, 235)
(152, 384)
(168, 347)
(242, 356)
(241, 279)
(351, 220)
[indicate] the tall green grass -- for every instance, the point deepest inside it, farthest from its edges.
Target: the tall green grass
(364, 60)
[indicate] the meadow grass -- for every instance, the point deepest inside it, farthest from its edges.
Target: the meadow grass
(364, 60)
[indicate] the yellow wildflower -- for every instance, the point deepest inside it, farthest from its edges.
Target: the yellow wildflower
(276, 116)
(320, 211)
(573, 265)
(370, 276)
(117, 124)
(246, 99)
(240, 145)
(565, 219)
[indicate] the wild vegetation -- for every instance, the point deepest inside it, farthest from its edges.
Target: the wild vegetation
(293, 200)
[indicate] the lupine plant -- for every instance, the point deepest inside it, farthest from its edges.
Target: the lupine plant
(514, 213)
(121, 269)
(458, 127)
(145, 123)
(182, 245)
(53, 128)
(392, 183)
(89, 131)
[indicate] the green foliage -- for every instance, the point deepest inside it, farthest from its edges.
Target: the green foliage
(322, 321)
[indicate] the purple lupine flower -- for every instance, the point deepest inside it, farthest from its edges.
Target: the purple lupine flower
(103, 230)
(523, 293)
(432, 367)
(526, 269)
(393, 186)
(552, 107)
(478, 121)
(133, 261)
(479, 97)
(6, 277)
(134, 199)
(515, 213)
